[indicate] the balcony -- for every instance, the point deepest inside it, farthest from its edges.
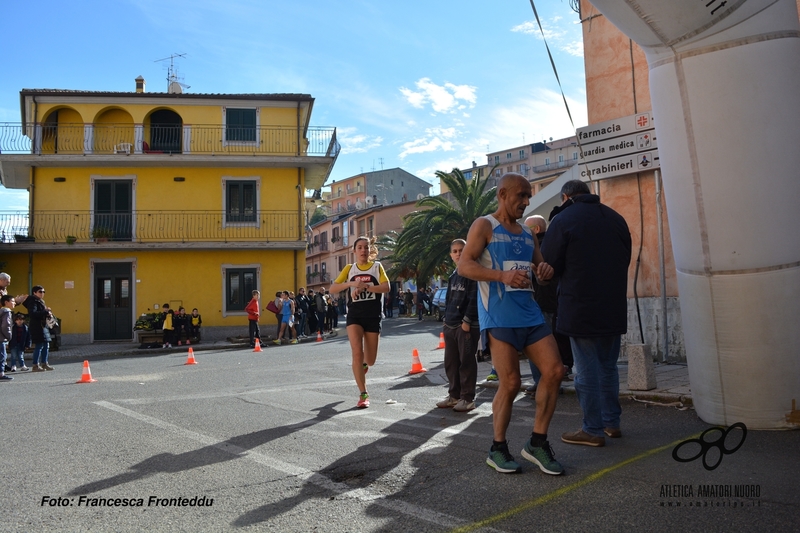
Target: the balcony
(145, 228)
(356, 189)
(554, 166)
(106, 144)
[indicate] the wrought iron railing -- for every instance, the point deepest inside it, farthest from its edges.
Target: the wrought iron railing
(148, 226)
(144, 139)
(554, 166)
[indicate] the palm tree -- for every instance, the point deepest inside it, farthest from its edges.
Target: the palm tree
(422, 249)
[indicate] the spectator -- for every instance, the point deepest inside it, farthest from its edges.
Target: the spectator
(461, 334)
(253, 310)
(168, 326)
(5, 281)
(589, 245)
(287, 319)
(6, 305)
(321, 306)
(302, 309)
(181, 323)
(196, 321)
(312, 312)
(38, 312)
(20, 341)
(409, 301)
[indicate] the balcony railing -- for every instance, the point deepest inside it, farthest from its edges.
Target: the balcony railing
(148, 226)
(143, 139)
(554, 166)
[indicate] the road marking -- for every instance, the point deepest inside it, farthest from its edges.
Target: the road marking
(541, 500)
(341, 489)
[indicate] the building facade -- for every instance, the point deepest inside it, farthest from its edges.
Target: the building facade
(139, 199)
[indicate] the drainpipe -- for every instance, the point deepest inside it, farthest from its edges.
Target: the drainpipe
(662, 271)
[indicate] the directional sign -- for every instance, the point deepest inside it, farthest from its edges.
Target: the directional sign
(619, 166)
(617, 147)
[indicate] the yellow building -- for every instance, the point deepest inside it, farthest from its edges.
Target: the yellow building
(138, 199)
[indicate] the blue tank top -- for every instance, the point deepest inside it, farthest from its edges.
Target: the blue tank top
(499, 305)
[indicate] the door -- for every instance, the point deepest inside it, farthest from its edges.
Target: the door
(113, 315)
(112, 209)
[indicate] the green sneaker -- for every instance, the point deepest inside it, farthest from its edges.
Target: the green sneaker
(543, 457)
(492, 377)
(501, 460)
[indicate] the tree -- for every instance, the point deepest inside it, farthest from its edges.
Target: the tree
(318, 216)
(422, 249)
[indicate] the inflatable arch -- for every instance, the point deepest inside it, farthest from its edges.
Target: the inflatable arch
(724, 81)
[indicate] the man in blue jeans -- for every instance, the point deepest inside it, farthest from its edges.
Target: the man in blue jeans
(588, 245)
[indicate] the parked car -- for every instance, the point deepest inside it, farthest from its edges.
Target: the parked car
(438, 302)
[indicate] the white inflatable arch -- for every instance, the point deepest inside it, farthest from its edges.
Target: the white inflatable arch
(725, 87)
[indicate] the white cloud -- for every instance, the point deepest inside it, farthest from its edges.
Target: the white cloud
(446, 98)
(562, 35)
(356, 143)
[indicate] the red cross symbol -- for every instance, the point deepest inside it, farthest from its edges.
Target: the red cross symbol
(642, 121)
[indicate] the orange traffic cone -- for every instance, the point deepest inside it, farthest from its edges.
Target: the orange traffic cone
(416, 366)
(86, 377)
(441, 341)
(319, 336)
(258, 346)
(190, 360)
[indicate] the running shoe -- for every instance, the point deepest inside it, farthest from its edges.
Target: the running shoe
(492, 377)
(295, 342)
(365, 366)
(501, 460)
(543, 457)
(363, 401)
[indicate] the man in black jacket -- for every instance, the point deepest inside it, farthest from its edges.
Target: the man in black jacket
(588, 245)
(461, 334)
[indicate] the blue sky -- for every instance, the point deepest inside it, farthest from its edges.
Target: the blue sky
(424, 86)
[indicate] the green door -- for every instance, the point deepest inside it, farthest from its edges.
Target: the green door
(113, 315)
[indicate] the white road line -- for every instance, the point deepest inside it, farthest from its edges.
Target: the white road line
(341, 489)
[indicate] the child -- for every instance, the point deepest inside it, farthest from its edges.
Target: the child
(253, 310)
(7, 302)
(365, 281)
(168, 327)
(181, 323)
(196, 322)
(20, 341)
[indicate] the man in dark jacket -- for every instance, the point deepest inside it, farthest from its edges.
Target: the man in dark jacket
(40, 335)
(588, 245)
(461, 334)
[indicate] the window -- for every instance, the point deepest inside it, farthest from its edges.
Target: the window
(496, 159)
(522, 154)
(362, 228)
(370, 226)
(497, 173)
(575, 155)
(335, 234)
(560, 158)
(241, 201)
(508, 156)
(341, 261)
(392, 182)
(240, 125)
(324, 241)
(546, 160)
(239, 286)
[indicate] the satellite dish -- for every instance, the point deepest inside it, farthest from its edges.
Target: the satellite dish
(420, 196)
(358, 204)
(369, 201)
(174, 88)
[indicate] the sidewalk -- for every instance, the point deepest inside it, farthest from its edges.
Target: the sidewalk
(672, 383)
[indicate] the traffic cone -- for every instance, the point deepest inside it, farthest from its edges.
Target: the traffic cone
(416, 366)
(319, 336)
(190, 360)
(86, 377)
(258, 345)
(441, 341)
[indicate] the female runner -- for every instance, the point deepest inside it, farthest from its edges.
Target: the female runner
(366, 281)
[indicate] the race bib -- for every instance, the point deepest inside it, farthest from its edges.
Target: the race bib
(519, 265)
(363, 295)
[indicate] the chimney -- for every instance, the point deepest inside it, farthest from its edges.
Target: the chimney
(139, 84)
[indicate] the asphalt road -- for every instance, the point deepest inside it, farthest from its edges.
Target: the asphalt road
(272, 441)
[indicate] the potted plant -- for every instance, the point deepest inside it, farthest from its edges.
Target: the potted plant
(334, 239)
(71, 239)
(102, 233)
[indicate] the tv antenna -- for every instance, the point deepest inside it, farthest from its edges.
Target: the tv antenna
(174, 85)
